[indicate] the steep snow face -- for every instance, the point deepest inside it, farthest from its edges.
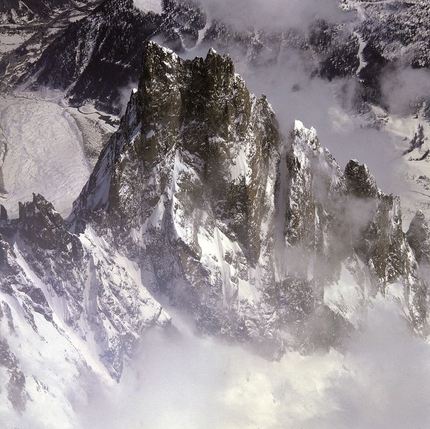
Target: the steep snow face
(94, 290)
(41, 151)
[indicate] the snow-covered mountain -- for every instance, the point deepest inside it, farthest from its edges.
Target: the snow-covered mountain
(364, 43)
(17, 11)
(204, 218)
(199, 199)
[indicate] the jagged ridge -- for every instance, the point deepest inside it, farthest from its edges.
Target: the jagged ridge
(261, 238)
(230, 218)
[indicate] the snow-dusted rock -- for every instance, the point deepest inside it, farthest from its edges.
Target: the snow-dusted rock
(92, 288)
(235, 223)
(261, 238)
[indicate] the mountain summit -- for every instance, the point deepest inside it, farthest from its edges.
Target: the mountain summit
(254, 233)
(198, 197)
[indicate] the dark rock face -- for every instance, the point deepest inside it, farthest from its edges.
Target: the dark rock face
(201, 189)
(360, 182)
(182, 21)
(418, 237)
(94, 59)
(196, 122)
(337, 49)
(55, 255)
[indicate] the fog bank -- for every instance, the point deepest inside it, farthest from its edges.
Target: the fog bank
(183, 381)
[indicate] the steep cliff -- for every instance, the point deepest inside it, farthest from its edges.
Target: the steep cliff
(243, 227)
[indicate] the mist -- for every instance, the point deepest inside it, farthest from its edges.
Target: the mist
(149, 5)
(404, 89)
(382, 380)
(325, 106)
(273, 14)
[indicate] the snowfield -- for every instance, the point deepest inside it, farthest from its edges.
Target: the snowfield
(11, 41)
(41, 152)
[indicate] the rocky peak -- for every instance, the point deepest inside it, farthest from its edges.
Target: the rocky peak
(418, 237)
(40, 223)
(360, 181)
(261, 238)
(229, 218)
(3, 213)
(178, 96)
(315, 183)
(199, 115)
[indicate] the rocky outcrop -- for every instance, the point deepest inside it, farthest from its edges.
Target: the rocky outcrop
(242, 227)
(48, 270)
(200, 166)
(418, 237)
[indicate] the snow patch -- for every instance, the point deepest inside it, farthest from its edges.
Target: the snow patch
(346, 297)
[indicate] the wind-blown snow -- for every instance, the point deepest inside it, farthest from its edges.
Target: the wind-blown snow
(43, 153)
(412, 177)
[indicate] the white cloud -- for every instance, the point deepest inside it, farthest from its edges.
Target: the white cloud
(149, 5)
(272, 13)
(404, 87)
(383, 381)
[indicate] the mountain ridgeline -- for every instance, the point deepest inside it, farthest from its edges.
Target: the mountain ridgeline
(198, 197)
(238, 223)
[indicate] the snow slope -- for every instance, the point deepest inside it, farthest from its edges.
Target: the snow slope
(42, 153)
